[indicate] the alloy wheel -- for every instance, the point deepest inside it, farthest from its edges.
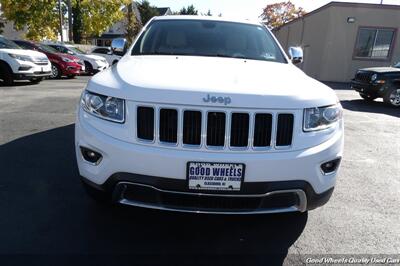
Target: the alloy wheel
(395, 97)
(54, 71)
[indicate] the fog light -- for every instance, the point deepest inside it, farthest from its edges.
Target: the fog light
(91, 156)
(330, 167)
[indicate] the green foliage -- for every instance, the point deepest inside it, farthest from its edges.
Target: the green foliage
(275, 15)
(147, 11)
(40, 17)
(98, 15)
(190, 10)
(131, 22)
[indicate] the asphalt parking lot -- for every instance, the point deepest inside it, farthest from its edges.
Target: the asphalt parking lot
(44, 210)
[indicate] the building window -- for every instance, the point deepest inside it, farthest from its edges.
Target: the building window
(374, 43)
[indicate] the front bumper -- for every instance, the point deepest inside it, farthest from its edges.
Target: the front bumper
(99, 66)
(71, 69)
(172, 195)
(163, 171)
(26, 70)
(367, 88)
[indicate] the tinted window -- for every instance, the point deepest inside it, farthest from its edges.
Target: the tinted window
(24, 45)
(59, 48)
(4, 43)
(101, 50)
(208, 38)
(374, 43)
(47, 48)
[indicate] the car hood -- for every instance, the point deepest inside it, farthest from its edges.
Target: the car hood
(187, 80)
(32, 53)
(381, 69)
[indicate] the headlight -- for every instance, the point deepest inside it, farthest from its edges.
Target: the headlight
(21, 57)
(374, 77)
(65, 59)
(319, 118)
(105, 107)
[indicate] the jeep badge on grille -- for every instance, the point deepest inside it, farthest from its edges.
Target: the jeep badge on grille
(215, 99)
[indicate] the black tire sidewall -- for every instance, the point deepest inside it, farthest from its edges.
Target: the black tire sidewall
(6, 76)
(386, 97)
(58, 72)
(88, 67)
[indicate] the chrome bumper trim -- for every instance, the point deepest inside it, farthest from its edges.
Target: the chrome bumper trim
(301, 207)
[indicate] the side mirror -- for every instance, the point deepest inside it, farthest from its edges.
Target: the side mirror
(296, 54)
(119, 46)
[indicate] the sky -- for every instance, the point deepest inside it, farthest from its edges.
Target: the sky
(248, 9)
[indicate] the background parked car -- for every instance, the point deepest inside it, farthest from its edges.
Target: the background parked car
(93, 63)
(107, 53)
(19, 64)
(61, 64)
(379, 82)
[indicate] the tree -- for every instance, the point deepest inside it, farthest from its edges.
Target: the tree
(277, 14)
(77, 22)
(39, 17)
(190, 10)
(90, 17)
(147, 11)
(2, 23)
(131, 22)
(209, 13)
(98, 15)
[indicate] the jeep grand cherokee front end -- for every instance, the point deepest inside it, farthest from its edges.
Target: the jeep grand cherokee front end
(208, 115)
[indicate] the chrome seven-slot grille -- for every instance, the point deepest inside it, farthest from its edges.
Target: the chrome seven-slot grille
(214, 129)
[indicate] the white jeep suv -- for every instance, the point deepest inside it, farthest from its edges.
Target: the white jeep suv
(19, 64)
(208, 115)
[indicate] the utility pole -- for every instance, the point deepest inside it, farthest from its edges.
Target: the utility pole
(61, 20)
(70, 32)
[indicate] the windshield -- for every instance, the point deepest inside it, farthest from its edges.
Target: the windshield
(47, 48)
(208, 38)
(7, 44)
(75, 50)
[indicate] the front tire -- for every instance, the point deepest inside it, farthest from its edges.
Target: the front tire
(392, 97)
(97, 195)
(6, 75)
(89, 68)
(367, 97)
(55, 72)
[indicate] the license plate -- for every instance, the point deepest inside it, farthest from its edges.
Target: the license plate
(215, 176)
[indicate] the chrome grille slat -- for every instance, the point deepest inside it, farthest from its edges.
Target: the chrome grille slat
(214, 129)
